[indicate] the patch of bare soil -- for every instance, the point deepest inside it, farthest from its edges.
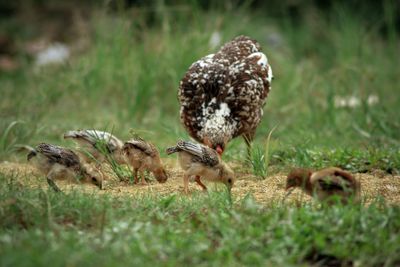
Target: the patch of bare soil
(264, 191)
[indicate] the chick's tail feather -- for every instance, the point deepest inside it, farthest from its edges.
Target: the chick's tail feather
(70, 134)
(171, 150)
(32, 152)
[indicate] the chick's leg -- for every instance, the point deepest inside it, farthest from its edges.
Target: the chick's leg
(50, 180)
(135, 175)
(186, 183)
(198, 181)
(143, 178)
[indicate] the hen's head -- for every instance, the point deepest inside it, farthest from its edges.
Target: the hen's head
(217, 142)
(262, 60)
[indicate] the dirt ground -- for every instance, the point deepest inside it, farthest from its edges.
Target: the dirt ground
(264, 191)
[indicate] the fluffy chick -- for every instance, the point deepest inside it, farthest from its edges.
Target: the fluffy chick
(144, 156)
(202, 161)
(325, 183)
(98, 144)
(56, 162)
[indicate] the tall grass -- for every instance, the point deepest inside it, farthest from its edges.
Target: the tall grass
(129, 76)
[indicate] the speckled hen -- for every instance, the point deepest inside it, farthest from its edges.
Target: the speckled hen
(222, 95)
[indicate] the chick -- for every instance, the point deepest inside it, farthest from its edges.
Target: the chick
(325, 183)
(56, 162)
(202, 161)
(144, 156)
(98, 144)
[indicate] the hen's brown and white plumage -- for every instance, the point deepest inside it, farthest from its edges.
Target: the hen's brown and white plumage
(144, 156)
(222, 95)
(201, 161)
(55, 161)
(98, 144)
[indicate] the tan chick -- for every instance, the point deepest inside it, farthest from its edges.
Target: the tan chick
(58, 162)
(202, 162)
(325, 184)
(144, 156)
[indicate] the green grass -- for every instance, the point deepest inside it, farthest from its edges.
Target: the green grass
(41, 228)
(127, 81)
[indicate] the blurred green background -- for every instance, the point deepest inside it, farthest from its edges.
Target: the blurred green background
(116, 66)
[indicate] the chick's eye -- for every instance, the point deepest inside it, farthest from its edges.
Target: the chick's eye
(230, 180)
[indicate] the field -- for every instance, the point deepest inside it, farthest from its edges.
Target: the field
(334, 102)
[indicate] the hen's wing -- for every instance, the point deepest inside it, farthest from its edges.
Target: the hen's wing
(248, 89)
(199, 90)
(203, 154)
(60, 155)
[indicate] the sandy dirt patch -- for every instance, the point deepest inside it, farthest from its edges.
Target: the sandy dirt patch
(264, 191)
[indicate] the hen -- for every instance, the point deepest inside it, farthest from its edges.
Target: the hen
(222, 95)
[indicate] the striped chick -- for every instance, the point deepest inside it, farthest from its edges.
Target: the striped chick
(57, 162)
(201, 161)
(144, 156)
(325, 184)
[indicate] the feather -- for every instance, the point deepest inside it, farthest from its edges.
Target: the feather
(200, 153)
(94, 137)
(56, 154)
(145, 147)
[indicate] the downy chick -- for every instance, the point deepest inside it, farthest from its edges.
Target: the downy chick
(202, 161)
(325, 183)
(56, 162)
(144, 156)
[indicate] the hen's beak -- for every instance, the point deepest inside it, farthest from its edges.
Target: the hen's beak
(219, 150)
